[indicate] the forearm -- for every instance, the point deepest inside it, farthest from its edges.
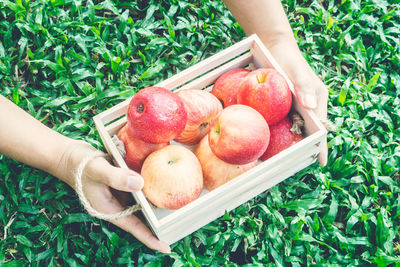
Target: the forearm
(25, 139)
(268, 20)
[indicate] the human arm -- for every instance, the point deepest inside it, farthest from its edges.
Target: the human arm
(268, 20)
(25, 139)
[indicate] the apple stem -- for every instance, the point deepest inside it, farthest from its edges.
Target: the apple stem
(261, 78)
(218, 129)
(171, 162)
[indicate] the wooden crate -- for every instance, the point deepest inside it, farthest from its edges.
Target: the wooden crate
(172, 225)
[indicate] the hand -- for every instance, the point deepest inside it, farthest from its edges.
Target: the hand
(106, 187)
(310, 91)
(268, 20)
(48, 150)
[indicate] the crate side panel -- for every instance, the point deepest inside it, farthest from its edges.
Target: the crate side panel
(240, 183)
(115, 126)
(207, 64)
(114, 113)
(301, 149)
(210, 77)
(183, 228)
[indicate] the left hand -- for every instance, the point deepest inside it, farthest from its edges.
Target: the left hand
(310, 91)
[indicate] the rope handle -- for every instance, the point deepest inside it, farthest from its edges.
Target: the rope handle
(328, 125)
(85, 202)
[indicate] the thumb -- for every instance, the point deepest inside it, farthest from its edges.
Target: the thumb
(306, 96)
(100, 170)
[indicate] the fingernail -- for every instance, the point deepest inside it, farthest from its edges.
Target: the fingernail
(310, 101)
(135, 182)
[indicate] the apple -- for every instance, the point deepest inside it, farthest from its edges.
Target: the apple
(156, 115)
(136, 149)
(201, 108)
(217, 172)
(239, 135)
(281, 138)
(267, 91)
(172, 177)
(226, 86)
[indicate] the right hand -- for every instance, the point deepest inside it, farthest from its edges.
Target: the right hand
(107, 189)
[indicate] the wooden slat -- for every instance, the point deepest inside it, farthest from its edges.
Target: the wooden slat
(229, 201)
(207, 64)
(300, 149)
(210, 77)
(184, 76)
(115, 126)
(113, 113)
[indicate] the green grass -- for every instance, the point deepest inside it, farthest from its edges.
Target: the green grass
(65, 61)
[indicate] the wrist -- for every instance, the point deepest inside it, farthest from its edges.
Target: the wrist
(72, 154)
(291, 60)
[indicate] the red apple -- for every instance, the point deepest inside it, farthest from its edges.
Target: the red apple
(217, 172)
(156, 115)
(136, 149)
(201, 107)
(226, 86)
(267, 91)
(281, 138)
(239, 135)
(172, 177)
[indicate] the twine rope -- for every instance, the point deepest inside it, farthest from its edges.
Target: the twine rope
(85, 202)
(328, 125)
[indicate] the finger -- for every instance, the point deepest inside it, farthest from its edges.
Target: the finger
(306, 96)
(323, 154)
(139, 230)
(322, 109)
(321, 112)
(319, 105)
(100, 170)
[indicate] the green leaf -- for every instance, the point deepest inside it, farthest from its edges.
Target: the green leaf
(23, 240)
(373, 82)
(152, 71)
(333, 210)
(77, 218)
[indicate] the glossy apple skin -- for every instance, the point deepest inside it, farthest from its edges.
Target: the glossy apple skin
(281, 138)
(239, 135)
(267, 91)
(172, 177)
(156, 115)
(136, 149)
(217, 172)
(226, 86)
(201, 107)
